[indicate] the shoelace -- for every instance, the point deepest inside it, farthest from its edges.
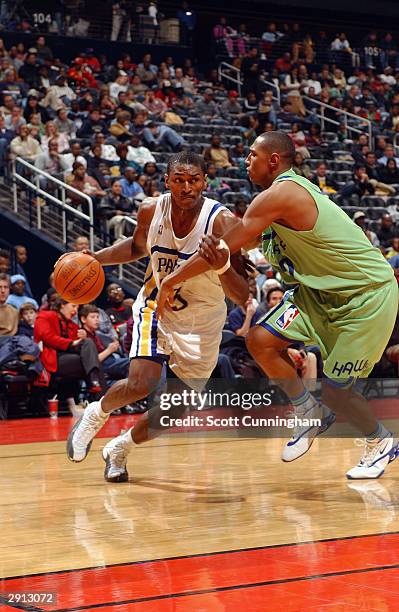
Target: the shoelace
(369, 452)
(91, 421)
(292, 413)
(118, 455)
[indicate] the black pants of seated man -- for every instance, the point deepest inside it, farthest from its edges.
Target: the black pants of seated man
(81, 362)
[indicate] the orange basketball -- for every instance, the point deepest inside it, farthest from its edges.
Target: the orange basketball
(78, 278)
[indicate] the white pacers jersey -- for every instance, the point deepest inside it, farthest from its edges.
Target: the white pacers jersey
(189, 333)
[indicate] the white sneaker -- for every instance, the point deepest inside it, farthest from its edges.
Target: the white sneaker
(81, 435)
(115, 454)
(376, 456)
(303, 437)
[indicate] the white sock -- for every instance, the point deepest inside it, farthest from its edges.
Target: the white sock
(380, 433)
(99, 411)
(303, 402)
(127, 438)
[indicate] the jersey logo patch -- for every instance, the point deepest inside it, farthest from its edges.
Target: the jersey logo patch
(287, 317)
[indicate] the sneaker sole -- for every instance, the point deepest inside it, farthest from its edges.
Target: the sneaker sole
(330, 420)
(70, 444)
(124, 477)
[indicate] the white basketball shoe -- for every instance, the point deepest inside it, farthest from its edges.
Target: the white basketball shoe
(82, 434)
(376, 456)
(304, 435)
(115, 454)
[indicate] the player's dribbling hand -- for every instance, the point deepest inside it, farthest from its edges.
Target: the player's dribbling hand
(208, 249)
(165, 297)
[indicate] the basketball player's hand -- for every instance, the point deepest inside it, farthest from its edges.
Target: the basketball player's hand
(208, 249)
(165, 297)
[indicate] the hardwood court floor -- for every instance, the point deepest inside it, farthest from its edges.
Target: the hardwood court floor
(206, 523)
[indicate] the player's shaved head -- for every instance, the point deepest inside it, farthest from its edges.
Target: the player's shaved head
(278, 142)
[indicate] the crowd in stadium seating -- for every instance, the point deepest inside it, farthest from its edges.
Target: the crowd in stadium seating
(108, 130)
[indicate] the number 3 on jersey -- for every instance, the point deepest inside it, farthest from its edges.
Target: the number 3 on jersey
(179, 303)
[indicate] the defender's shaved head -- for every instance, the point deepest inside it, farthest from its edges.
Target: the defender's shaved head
(278, 142)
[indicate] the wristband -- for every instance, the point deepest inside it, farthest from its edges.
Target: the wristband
(223, 245)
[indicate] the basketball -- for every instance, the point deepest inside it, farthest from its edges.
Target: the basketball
(78, 278)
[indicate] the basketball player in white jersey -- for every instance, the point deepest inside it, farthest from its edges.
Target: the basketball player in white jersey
(169, 230)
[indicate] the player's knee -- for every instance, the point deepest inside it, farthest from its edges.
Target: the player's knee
(139, 386)
(334, 395)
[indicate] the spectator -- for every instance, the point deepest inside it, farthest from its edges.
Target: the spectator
(29, 72)
(8, 314)
(113, 208)
(114, 365)
(146, 71)
(59, 95)
(81, 243)
(242, 318)
(188, 20)
(155, 106)
(251, 71)
(300, 167)
(298, 138)
(67, 352)
(216, 183)
(6, 137)
(240, 207)
(32, 107)
(389, 55)
(372, 51)
(387, 230)
(43, 52)
(21, 255)
(64, 125)
(393, 250)
(206, 107)
(118, 312)
(94, 123)
(361, 220)
(4, 262)
(341, 49)
(27, 317)
(18, 295)
(120, 20)
(118, 86)
(273, 297)
(75, 155)
(108, 151)
(8, 105)
(25, 146)
(51, 162)
(217, 154)
(359, 186)
(14, 120)
(84, 183)
(138, 153)
(326, 184)
(390, 174)
(131, 190)
(163, 138)
(231, 106)
(121, 128)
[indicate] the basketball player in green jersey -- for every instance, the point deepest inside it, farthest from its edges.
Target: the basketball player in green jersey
(342, 296)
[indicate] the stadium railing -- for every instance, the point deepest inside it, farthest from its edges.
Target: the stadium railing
(24, 173)
(346, 117)
(233, 74)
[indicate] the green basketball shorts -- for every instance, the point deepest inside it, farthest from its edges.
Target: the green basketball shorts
(352, 332)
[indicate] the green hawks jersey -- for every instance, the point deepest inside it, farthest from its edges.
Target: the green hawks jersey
(335, 256)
